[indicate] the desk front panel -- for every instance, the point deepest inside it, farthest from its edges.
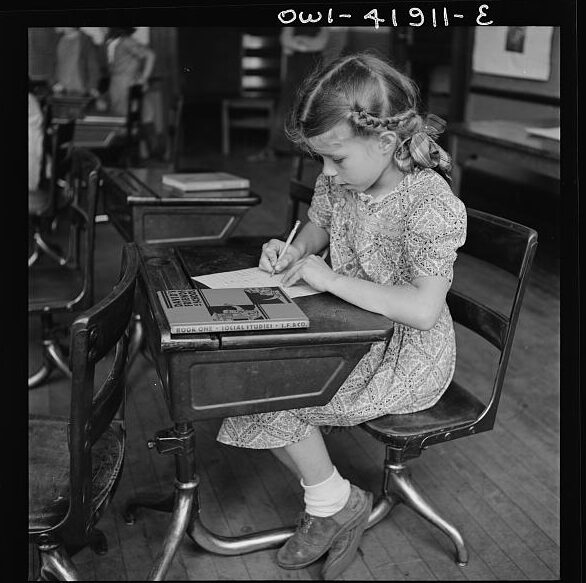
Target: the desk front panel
(181, 224)
(222, 383)
(237, 373)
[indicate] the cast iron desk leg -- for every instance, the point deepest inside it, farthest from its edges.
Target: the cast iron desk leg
(185, 518)
(266, 539)
(178, 441)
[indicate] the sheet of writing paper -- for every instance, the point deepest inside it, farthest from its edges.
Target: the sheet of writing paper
(253, 277)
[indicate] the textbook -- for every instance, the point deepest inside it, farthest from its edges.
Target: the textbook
(192, 311)
(206, 181)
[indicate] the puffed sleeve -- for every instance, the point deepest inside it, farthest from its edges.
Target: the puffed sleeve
(320, 210)
(435, 229)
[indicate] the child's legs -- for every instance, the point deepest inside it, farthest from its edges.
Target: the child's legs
(308, 459)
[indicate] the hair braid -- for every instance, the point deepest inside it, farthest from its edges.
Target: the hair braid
(372, 96)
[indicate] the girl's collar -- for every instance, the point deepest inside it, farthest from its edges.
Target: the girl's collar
(370, 199)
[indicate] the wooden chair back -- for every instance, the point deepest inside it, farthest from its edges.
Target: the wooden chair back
(85, 180)
(134, 121)
(176, 132)
(299, 194)
(94, 405)
(260, 65)
(510, 247)
(56, 158)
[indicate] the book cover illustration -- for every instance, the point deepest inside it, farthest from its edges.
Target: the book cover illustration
(205, 181)
(192, 311)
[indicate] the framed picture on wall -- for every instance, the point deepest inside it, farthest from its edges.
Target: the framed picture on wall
(523, 52)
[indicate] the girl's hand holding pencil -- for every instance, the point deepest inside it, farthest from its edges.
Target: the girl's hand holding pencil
(278, 255)
(273, 257)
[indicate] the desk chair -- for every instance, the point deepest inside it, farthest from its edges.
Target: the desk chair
(123, 150)
(133, 125)
(261, 73)
(67, 288)
(175, 140)
(52, 194)
(75, 464)
(175, 133)
(459, 413)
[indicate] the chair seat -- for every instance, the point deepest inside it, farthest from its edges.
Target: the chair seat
(456, 407)
(48, 458)
(53, 287)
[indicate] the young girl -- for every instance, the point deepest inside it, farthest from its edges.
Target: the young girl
(393, 226)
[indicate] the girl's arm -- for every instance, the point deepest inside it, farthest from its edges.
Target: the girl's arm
(311, 239)
(417, 305)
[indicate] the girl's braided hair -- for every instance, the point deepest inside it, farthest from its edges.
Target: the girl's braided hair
(366, 91)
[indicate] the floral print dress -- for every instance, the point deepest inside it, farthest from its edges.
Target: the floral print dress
(411, 232)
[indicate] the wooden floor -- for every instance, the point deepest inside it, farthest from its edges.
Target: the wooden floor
(500, 488)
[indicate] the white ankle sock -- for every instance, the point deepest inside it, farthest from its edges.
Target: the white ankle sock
(327, 497)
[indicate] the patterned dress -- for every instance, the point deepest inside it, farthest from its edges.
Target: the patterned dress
(411, 232)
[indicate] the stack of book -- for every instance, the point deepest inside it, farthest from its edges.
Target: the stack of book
(207, 181)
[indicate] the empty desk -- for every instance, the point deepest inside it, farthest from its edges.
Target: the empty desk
(144, 210)
(503, 141)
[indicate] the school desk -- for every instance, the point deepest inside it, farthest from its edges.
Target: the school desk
(143, 210)
(207, 376)
(94, 131)
(503, 141)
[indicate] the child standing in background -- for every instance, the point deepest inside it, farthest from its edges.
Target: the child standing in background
(393, 225)
(77, 65)
(130, 63)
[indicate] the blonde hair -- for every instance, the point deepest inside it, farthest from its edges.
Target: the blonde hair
(372, 96)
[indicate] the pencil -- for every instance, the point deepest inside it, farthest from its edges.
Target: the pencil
(287, 243)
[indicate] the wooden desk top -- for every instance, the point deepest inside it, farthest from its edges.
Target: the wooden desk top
(332, 320)
(94, 136)
(102, 120)
(510, 134)
(144, 186)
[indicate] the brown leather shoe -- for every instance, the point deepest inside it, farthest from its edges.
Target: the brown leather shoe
(315, 535)
(344, 547)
